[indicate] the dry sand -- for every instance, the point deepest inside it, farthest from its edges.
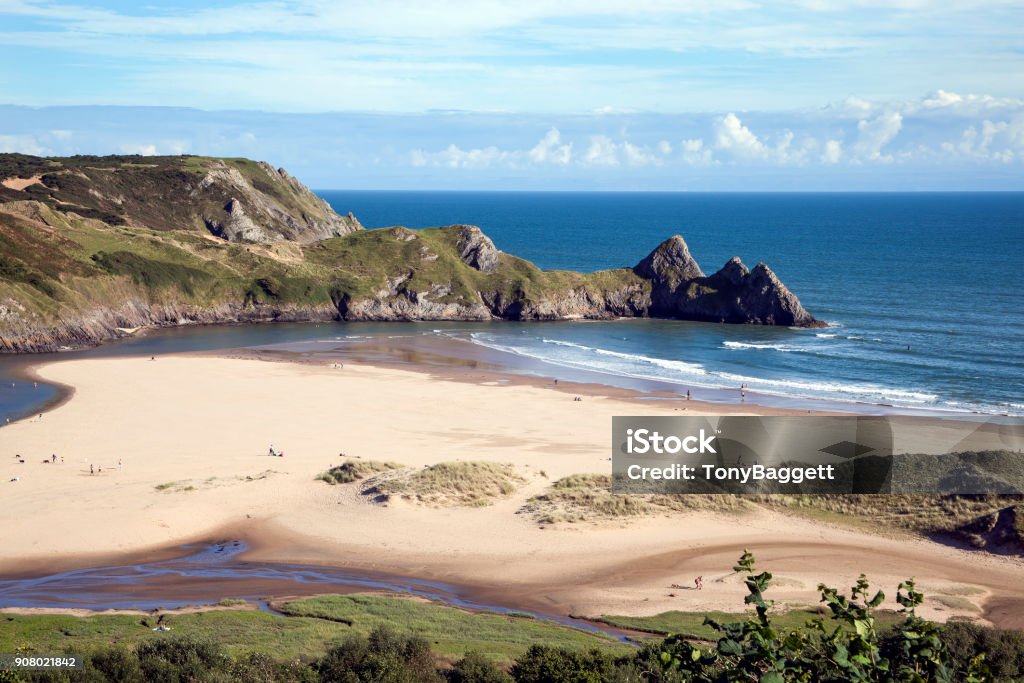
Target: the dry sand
(202, 426)
(20, 183)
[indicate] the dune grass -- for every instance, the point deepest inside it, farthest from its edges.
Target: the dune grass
(918, 513)
(354, 470)
(469, 483)
(588, 498)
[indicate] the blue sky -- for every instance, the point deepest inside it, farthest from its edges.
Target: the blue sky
(595, 94)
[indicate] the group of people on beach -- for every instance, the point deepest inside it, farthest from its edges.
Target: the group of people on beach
(275, 454)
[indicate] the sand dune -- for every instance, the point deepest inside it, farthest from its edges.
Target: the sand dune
(179, 450)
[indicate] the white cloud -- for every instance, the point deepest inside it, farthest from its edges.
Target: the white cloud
(636, 155)
(455, 157)
(833, 152)
(601, 152)
(997, 141)
(144, 150)
(170, 147)
(857, 105)
(22, 144)
(664, 147)
(941, 98)
(732, 136)
(874, 134)
(418, 158)
(551, 150)
(696, 153)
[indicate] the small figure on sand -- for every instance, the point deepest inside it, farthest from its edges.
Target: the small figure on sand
(53, 457)
(699, 582)
(688, 395)
(92, 470)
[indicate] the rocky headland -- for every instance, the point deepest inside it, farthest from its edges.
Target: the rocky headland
(94, 247)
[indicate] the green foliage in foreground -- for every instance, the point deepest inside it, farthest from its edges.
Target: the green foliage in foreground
(847, 647)
(698, 626)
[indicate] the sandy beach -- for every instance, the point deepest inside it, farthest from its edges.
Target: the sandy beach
(178, 447)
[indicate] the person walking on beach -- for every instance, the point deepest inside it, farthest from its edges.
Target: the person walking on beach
(53, 458)
(688, 395)
(699, 582)
(91, 469)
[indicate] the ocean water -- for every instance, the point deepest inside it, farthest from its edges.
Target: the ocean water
(922, 291)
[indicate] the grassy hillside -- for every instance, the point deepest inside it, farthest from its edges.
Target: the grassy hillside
(98, 243)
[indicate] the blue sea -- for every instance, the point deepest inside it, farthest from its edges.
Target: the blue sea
(923, 294)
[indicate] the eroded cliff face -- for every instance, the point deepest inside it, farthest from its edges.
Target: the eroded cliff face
(254, 215)
(99, 246)
(234, 199)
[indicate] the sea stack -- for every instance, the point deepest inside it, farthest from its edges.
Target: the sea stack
(679, 289)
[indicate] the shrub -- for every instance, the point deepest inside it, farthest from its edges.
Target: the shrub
(181, 658)
(118, 664)
(544, 664)
(475, 668)
(1003, 650)
(383, 657)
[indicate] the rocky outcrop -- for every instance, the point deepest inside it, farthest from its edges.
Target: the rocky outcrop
(476, 249)
(679, 289)
(669, 267)
(267, 219)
